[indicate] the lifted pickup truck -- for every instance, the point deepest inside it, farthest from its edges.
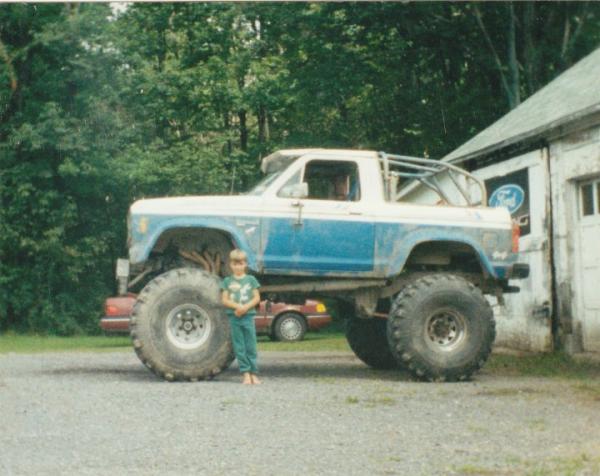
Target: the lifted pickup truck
(409, 278)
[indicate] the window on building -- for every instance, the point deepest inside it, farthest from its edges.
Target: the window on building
(590, 198)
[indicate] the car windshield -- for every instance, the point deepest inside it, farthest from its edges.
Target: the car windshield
(261, 186)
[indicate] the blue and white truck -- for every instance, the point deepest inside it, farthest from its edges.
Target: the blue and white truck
(409, 278)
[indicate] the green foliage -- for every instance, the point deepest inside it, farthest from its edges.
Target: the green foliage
(98, 109)
(55, 150)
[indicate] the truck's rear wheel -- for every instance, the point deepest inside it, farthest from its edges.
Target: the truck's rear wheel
(368, 340)
(441, 327)
(179, 328)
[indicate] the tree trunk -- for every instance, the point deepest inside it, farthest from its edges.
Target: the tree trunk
(529, 53)
(6, 108)
(262, 123)
(243, 130)
(226, 126)
(569, 38)
(490, 44)
(514, 97)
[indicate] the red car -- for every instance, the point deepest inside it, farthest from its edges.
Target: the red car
(279, 320)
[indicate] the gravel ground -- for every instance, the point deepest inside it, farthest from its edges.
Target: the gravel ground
(316, 413)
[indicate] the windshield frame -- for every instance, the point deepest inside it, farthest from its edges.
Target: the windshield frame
(264, 183)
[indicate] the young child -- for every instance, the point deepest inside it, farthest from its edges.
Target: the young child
(240, 296)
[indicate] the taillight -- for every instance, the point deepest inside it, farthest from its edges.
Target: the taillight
(516, 234)
(112, 310)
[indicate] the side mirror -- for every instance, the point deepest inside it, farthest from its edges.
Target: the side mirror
(297, 190)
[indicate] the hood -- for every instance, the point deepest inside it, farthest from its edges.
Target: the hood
(195, 205)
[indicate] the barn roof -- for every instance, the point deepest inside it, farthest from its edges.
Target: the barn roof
(573, 95)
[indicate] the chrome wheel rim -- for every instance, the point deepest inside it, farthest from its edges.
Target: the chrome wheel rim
(445, 330)
(290, 328)
(188, 326)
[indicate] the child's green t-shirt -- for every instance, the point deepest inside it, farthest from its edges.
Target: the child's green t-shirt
(240, 291)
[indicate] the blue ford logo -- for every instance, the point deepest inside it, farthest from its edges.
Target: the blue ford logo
(510, 196)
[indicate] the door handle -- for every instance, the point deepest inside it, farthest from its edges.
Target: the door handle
(299, 205)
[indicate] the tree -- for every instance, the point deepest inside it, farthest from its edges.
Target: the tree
(56, 139)
(98, 109)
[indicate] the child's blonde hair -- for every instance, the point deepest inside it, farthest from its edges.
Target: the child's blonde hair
(237, 255)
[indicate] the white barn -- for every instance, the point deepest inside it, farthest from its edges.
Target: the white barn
(543, 161)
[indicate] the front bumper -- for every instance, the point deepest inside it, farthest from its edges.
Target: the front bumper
(318, 321)
(519, 271)
(115, 324)
(516, 271)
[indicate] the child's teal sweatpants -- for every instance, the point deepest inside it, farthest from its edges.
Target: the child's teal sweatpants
(243, 337)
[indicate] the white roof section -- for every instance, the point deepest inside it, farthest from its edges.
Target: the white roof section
(573, 95)
(285, 156)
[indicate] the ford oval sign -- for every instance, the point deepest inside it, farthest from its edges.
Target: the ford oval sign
(510, 196)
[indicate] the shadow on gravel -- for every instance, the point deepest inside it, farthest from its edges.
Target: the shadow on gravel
(322, 370)
(129, 373)
(332, 373)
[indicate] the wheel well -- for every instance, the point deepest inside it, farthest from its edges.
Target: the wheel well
(297, 313)
(444, 255)
(192, 238)
(205, 247)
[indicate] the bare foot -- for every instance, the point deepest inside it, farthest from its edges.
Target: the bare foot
(247, 380)
(255, 379)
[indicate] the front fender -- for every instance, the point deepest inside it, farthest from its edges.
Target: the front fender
(147, 229)
(401, 249)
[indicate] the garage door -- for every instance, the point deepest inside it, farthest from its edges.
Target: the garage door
(589, 259)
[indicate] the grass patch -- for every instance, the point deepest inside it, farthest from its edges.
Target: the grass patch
(555, 365)
(507, 392)
(28, 344)
(484, 430)
(371, 402)
(559, 466)
(230, 402)
(475, 471)
(376, 401)
(565, 466)
(313, 342)
(590, 390)
(537, 424)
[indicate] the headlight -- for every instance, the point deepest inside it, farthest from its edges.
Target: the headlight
(321, 308)
(143, 225)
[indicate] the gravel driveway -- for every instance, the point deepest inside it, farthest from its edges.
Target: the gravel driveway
(316, 413)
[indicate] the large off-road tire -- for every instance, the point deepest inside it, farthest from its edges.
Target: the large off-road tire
(441, 327)
(289, 327)
(368, 340)
(179, 328)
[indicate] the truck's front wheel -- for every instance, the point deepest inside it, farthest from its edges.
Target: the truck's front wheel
(178, 326)
(441, 327)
